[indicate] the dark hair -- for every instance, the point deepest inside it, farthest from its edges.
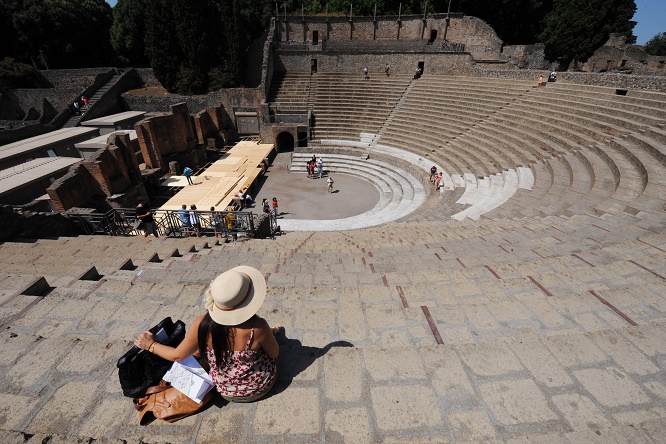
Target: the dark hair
(219, 335)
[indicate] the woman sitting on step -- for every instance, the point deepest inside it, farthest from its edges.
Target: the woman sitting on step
(239, 345)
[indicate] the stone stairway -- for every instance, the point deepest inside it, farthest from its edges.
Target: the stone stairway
(74, 120)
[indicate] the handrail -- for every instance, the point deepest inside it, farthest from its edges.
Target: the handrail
(123, 222)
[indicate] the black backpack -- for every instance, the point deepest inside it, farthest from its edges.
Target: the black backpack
(139, 369)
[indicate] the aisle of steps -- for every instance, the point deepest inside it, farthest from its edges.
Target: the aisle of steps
(535, 317)
(74, 120)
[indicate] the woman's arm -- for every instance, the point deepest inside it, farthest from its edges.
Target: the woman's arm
(185, 349)
(263, 334)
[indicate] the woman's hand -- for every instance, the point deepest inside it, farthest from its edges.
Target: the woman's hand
(144, 340)
(276, 329)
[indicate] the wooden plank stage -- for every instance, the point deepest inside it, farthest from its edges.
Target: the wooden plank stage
(219, 183)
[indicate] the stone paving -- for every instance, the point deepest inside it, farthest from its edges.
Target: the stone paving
(489, 331)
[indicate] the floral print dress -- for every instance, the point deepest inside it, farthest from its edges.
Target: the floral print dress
(242, 373)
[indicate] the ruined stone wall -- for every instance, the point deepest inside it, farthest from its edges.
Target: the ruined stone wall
(110, 176)
(617, 56)
(74, 189)
(526, 56)
(31, 225)
(161, 103)
(613, 80)
(161, 136)
(109, 171)
(210, 123)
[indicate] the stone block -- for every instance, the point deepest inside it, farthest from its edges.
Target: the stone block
(490, 359)
(348, 425)
(65, 408)
(580, 412)
(538, 360)
(343, 379)
(293, 412)
(13, 409)
(382, 316)
(612, 387)
(516, 402)
(223, 425)
(409, 407)
(471, 426)
(402, 363)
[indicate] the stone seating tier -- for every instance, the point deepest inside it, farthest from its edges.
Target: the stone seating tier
(542, 321)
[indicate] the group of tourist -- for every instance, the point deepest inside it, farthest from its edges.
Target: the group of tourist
(552, 77)
(223, 225)
(315, 168)
(243, 199)
(270, 207)
(435, 177)
(77, 105)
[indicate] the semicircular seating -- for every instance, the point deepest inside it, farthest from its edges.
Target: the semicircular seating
(588, 150)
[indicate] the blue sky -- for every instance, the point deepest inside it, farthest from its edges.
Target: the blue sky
(650, 15)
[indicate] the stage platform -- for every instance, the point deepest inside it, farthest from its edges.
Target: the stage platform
(218, 184)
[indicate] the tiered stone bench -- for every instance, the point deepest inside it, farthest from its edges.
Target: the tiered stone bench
(541, 320)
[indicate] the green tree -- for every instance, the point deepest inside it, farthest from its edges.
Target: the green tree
(656, 45)
(63, 33)
(515, 21)
(575, 29)
(162, 46)
(129, 29)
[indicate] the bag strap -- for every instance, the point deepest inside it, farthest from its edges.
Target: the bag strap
(163, 385)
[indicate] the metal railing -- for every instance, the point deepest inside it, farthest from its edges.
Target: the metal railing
(123, 222)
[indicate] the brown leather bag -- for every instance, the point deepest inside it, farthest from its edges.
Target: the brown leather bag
(167, 403)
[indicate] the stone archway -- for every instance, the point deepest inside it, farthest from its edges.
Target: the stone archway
(284, 142)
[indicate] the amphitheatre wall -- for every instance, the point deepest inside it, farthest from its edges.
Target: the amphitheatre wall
(400, 62)
(608, 79)
(434, 33)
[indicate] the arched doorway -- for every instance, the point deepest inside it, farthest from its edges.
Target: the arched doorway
(284, 142)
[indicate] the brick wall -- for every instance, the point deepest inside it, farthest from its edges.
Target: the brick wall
(165, 135)
(210, 122)
(74, 189)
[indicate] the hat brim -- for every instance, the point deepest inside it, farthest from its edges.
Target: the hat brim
(250, 306)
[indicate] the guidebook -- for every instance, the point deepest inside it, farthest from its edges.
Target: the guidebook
(188, 377)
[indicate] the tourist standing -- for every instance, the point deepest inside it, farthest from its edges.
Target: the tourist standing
(195, 222)
(365, 73)
(320, 167)
(433, 173)
(144, 214)
(275, 207)
(540, 82)
(387, 70)
(184, 217)
(438, 181)
(188, 175)
(215, 222)
(329, 181)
